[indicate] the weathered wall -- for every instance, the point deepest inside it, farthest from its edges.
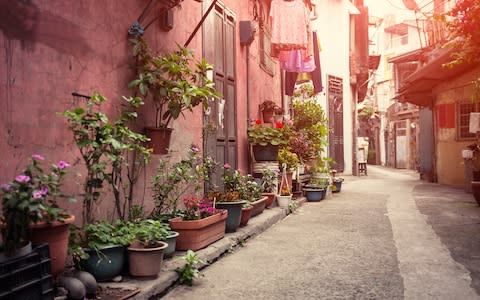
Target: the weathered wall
(51, 49)
(449, 161)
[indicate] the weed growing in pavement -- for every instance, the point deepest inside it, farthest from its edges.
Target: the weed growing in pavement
(190, 270)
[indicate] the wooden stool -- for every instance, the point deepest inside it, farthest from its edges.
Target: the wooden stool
(362, 168)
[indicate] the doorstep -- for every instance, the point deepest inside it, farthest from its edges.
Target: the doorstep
(151, 287)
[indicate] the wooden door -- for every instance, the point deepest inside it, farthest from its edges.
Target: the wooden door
(219, 48)
(335, 121)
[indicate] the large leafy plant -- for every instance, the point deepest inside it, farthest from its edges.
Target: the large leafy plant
(463, 22)
(260, 134)
(173, 180)
(170, 81)
(107, 148)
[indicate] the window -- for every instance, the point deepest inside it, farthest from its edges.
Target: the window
(264, 59)
(463, 116)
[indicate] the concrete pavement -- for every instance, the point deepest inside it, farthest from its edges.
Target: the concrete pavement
(385, 236)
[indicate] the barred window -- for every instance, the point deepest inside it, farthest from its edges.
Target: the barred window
(463, 116)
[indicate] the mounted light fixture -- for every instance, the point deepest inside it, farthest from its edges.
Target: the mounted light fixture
(136, 29)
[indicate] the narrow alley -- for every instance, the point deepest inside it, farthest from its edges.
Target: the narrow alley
(387, 235)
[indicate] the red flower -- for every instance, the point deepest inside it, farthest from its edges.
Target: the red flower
(258, 122)
(278, 125)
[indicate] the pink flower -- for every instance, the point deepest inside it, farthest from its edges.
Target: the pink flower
(38, 157)
(37, 195)
(227, 166)
(22, 178)
(194, 149)
(62, 165)
(5, 187)
(44, 190)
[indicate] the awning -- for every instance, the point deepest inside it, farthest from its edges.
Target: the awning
(417, 88)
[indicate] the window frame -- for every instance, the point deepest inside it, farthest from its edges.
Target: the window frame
(460, 105)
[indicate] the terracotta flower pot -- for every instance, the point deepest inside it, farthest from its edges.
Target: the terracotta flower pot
(246, 215)
(258, 206)
(197, 234)
(56, 235)
(145, 261)
(270, 199)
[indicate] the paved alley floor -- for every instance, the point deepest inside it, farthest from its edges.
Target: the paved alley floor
(387, 235)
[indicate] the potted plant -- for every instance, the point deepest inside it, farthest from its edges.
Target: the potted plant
(145, 253)
(199, 225)
(290, 160)
(269, 185)
(315, 190)
(173, 180)
(246, 214)
(266, 140)
(285, 197)
(251, 191)
(174, 84)
(99, 248)
(337, 182)
(269, 109)
(230, 199)
(31, 212)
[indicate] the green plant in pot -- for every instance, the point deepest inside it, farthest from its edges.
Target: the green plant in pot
(99, 247)
(145, 253)
(31, 211)
(173, 180)
(269, 185)
(230, 199)
(266, 140)
(288, 158)
(173, 83)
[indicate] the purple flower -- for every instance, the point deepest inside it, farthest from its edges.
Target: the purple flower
(5, 187)
(44, 190)
(194, 149)
(22, 178)
(227, 166)
(38, 157)
(62, 165)
(37, 195)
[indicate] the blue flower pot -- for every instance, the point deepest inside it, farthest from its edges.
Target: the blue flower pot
(171, 240)
(234, 214)
(105, 264)
(314, 194)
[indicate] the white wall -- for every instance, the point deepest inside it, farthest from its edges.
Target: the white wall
(333, 29)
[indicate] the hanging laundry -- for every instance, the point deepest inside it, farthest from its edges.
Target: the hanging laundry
(315, 75)
(290, 26)
(297, 63)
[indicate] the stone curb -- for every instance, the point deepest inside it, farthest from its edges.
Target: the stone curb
(151, 287)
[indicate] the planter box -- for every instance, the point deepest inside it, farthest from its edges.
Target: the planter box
(270, 199)
(197, 234)
(246, 214)
(265, 153)
(258, 206)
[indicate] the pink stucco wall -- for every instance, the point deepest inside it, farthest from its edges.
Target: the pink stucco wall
(52, 49)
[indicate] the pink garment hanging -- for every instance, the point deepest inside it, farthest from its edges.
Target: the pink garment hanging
(289, 21)
(297, 63)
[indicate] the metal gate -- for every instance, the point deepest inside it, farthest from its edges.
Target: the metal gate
(335, 120)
